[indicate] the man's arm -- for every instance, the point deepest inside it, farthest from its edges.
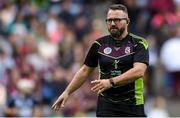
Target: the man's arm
(79, 79)
(129, 76)
(76, 82)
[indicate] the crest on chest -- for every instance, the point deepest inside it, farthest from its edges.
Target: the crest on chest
(115, 52)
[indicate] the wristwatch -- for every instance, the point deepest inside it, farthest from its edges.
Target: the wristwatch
(112, 82)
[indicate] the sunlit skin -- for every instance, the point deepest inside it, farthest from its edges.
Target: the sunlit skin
(113, 27)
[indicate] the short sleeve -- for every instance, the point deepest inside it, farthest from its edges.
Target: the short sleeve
(142, 52)
(91, 59)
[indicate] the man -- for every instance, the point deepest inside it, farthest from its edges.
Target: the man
(122, 59)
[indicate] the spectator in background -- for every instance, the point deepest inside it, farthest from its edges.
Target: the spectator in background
(160, 5)
(158, 108)
(6, 62)
(22, 103)
(170, 57)
(3, 97)
(151, 71)
(18, 26)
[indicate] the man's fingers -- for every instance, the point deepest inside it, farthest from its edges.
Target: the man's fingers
(96, 87)
(95, 81)
(56, 106)
(63, 103)
(101, 90)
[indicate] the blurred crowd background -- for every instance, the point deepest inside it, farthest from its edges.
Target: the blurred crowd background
(44, 42)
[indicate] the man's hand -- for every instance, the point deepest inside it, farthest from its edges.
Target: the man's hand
(101, 85)
(60, 102)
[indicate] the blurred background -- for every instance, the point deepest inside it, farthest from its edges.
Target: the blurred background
(44, 42)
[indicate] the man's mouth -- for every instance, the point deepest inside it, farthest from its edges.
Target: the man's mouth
(112, 29)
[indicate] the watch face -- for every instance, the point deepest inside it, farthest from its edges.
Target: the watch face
(112, 82)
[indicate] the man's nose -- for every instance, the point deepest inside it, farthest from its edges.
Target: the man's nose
(112, 22)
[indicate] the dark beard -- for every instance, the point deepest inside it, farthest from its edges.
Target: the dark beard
(118, 33)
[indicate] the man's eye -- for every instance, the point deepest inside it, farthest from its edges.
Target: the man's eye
(109, 20)
(115, 20)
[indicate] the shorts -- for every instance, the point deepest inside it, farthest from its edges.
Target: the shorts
(106, 108)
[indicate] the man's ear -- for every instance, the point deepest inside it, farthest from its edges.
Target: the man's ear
(128, 21)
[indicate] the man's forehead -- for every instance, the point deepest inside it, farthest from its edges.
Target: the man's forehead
(116, 13)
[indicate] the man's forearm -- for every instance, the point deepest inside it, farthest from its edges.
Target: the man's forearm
(130, 75)
(79, 78)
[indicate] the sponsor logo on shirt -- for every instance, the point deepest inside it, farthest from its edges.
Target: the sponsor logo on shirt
(107, 50)
(127, 50)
